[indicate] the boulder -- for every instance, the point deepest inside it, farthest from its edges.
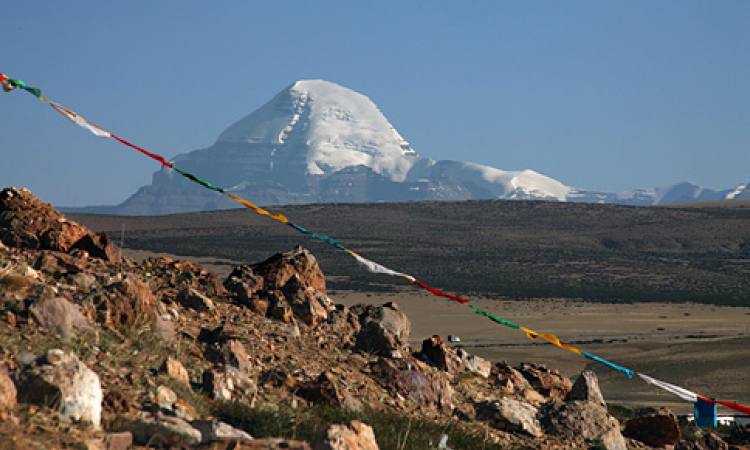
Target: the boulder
(118, 441)
(474, 364)
(165, 398)
(654, 427)
(586, 388)
(242, 284)
(215, 430)
(437, 353)
(176, 371)
(27, 222)
(706, 441)
(229, 384)
(305, 301)
(325, 390)
(384, 330)
(8, 393)
(583, 420)
(279, 309)
(548, 382)
(191, 298)
(161, 430)
(279, 268)
(126, 303)
(60, 316)
(60, 380)
(511, 415)
(421, 385)
(508, 379)
(230, 352)
(355, 436)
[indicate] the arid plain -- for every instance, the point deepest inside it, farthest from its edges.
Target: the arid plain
(688, 264)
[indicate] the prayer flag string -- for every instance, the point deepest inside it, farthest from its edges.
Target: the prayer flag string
(10, 84)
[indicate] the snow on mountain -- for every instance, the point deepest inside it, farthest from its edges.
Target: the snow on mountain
(317, 141)
(330, 126)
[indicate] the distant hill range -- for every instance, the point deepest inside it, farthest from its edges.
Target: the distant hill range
(319, 142)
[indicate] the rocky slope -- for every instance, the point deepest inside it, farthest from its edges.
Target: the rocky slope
(102, 352)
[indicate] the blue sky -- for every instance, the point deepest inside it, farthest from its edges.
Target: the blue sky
(600, 95)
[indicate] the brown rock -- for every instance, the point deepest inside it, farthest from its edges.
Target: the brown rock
(27, 222)
(511, 415)
(191, 298)
(261, 444)
(423, 386)
(280, 308)
(586, 388)
(325, 390)
(508, 379)
(176, 371)
(304, 301)
(384, 330)
(548, 382)
(707, 441)
(438, 354)
(126, 303)
(8, 394)
(279, 268)
(355, 436)
(118, 441)
(228, 383)
(230, 352)
(587, 421)
(243, 283)
(60, 316)
(654, 427)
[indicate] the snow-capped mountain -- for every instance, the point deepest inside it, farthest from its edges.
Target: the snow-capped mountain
(317, 141)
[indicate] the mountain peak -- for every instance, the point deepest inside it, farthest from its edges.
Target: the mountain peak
(330, 126)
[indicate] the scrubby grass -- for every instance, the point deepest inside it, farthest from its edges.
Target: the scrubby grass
(392, 431)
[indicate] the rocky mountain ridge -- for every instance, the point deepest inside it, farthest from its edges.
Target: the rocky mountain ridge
(103, 352)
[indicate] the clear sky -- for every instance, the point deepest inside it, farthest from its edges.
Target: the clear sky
(607, 95)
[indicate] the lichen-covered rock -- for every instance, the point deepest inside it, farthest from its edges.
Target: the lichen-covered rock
(60, 380)
(355, 436)
(384, 330)
(654, 427)
(511, 415)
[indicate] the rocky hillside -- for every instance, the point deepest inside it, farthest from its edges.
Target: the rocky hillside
(103, 352)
